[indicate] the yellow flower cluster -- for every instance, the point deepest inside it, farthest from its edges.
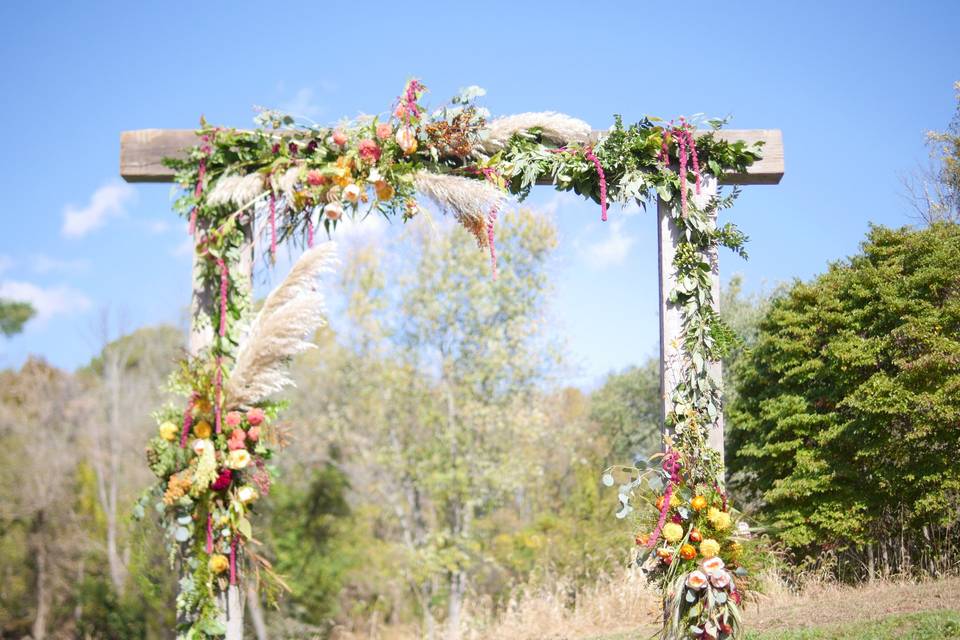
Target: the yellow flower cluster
(719, 519)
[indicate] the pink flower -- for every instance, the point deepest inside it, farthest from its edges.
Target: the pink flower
(236, 439)
(223, 480)
(339, 138)
(712, 564)
(697, 580)
(234, 418)
(369, 151)
(720, 579)
(253, 434)
(384, 130)
(255, 416)
(315, 178)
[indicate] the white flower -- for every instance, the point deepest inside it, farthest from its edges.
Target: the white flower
(247, 494)
(200, 445)
(351, 192)
(334, 211)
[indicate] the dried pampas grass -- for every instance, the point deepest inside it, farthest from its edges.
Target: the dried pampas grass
(556, 127)
(470, 201)
(237, 190)
(288, 181)
(291, 313)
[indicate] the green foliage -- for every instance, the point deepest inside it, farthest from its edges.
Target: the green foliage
(849, 405)
(309, 531)
(13, 315)
(103, 614)
(627, 409)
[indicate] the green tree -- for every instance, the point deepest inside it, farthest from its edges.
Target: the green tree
(13, 315)
(846, 421)
(438, 400)
(627, 409)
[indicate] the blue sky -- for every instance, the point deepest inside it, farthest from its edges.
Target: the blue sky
(853, 86)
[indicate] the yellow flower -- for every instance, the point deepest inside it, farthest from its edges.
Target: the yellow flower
(709, 548)
(698, 503)
(168, 431)
(246, 494)
(735, 550)
(202, 406)
(719, 519)
(218, 563)
(239, 458)
(672, 532)
(202, 429)
(384, 190)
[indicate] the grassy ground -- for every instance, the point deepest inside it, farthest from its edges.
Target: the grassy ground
(924, 611)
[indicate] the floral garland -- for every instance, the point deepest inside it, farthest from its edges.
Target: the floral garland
(286, 178)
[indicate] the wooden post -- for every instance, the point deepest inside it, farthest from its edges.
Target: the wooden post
(671, 322)
(203, 302)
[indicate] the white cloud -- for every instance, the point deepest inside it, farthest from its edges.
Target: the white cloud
(6, 262)
(47, 302)
(158, 226)
(302, 104)
(42, 264)
(108, 201)
(610, 251)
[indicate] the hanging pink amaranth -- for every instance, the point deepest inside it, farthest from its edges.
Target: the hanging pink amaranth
(671, 464)
(309, 232)
(218, 390)
(224, 282)
(588, 152)
(187, 421)
(209, 533)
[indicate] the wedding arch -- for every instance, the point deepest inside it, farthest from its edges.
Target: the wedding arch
(285, 180)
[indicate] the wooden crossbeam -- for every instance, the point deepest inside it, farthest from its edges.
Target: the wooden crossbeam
(142, 151)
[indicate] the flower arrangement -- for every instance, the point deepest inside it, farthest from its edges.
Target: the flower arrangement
(285, 179)
(692, 544)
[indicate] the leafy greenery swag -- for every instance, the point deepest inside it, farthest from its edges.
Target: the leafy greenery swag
(294, 176)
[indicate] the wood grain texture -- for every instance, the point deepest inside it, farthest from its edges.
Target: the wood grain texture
(142, 152)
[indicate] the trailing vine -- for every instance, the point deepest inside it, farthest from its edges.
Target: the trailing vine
(285, 179)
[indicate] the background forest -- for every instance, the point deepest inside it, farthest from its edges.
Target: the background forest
(441, 474)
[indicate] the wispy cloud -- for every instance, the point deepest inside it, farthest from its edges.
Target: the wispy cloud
(158, 226)
(42, 264)
(47, 301)
(303, 103)
(110, 200)
(611, 250)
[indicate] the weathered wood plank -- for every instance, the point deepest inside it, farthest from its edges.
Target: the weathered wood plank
(672, 353)
(142, 151)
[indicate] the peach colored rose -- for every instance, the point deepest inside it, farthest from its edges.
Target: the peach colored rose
(315, 178)
(407, 139)
(339, 138)
(255, 416)
(334, 211)
(719, 579)
(712, 564)
(696, 580)
(253, 434)
(384, 130)
(351, 192)
(234, 418)
(368, 150)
